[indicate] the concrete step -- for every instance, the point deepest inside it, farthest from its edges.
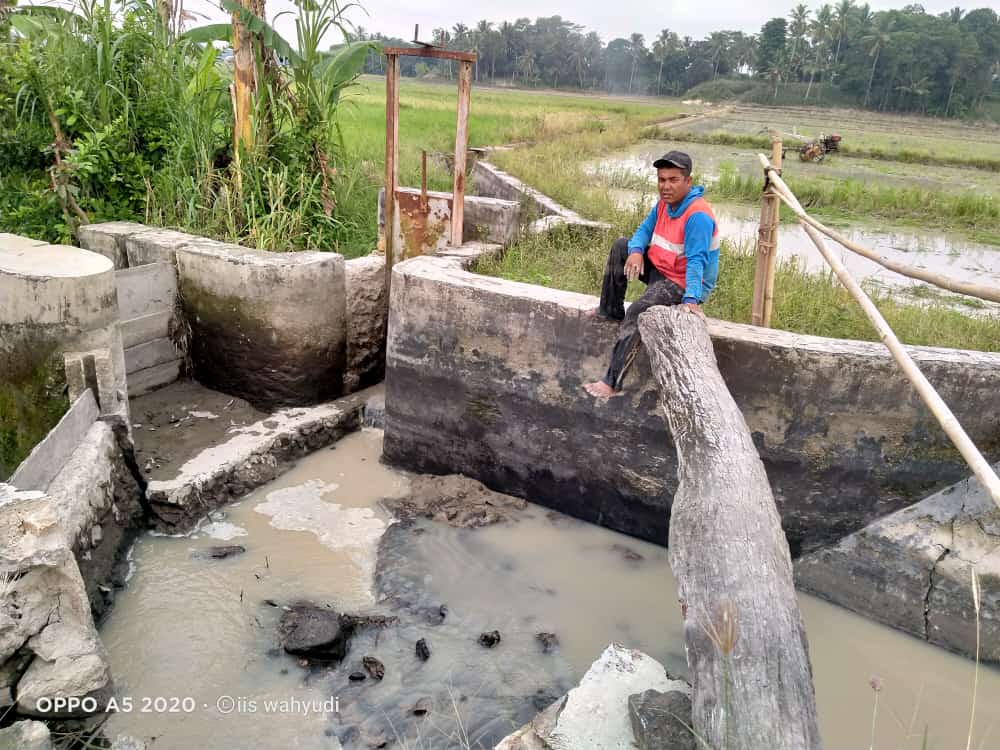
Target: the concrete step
(146, 289)
(151, 378)
(146, 328)
(156, 352)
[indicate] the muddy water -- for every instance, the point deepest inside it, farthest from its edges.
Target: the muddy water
(182, 627)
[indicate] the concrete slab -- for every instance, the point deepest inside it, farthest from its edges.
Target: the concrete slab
(145, 381)
(156, 246)
(16, 241)
(47, 458)
(146, 289)
(150, 354)
(108, 239)
(145, 328)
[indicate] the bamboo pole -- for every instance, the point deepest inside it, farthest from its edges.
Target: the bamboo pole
(461, 149)
(991, 294)
(391, 163)
(772, 256)
(949, 423)
(767, 247)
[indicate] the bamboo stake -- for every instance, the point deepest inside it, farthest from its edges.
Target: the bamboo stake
(391, 164)
(772, 257)
(767, 247)
(979, 465)
(461, 149)
(991, 294)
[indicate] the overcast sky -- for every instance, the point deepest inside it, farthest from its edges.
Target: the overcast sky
(692, 18)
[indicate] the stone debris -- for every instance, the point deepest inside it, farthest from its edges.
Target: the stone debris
(662, 720)
(455, 500)
(490, 639)
(595, 714)
(548, 641)
(423, 650)
(25, 735)
(373, 667)
(913, 570)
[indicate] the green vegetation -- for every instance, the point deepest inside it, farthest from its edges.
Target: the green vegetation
(904, 60)
(32, 401)
(812, 303)
(763, 143)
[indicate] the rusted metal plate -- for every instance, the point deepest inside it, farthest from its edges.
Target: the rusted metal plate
(435, 52)
(420, 231)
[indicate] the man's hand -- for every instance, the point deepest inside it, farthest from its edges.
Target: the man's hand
(633, 266)
(694, 307)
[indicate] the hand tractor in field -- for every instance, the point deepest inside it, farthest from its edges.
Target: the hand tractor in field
(814, 150)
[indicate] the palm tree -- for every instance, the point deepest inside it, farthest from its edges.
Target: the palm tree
(637, 48)
(480, 40)
(875, 40)
(841, 21)
(665, 43)
(744, 50)
(820, 30)
(797, 28)
(718, 45)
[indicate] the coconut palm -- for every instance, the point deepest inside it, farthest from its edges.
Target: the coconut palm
(718, 47)
(841, 23)
(820, 30)
(797, 28)
(876, 40)
(666, 43)
(637, 49)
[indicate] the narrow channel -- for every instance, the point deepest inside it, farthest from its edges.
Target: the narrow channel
(190, 625)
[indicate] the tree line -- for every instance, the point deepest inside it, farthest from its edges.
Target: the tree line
(901, 60)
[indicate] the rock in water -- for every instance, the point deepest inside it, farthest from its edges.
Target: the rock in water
(315, 633)
(356, 676)
(220, 551)
(422, 707)
(661, 720)
(423, 650)
(549, 642)
(26, 735)
(489, 640)
(373, 667)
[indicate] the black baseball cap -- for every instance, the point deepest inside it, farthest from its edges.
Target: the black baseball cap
(677, 159)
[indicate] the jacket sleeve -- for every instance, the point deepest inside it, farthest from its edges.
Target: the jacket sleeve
(640, 240)
(697, 242)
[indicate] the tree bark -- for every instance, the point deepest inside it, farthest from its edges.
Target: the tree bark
(746, 644)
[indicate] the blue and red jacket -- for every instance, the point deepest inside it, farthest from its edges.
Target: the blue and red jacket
(683, 243)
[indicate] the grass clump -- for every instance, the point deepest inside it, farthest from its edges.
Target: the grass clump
(809, 303)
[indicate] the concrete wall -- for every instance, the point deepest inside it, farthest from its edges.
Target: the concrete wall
(484, 378)
(56, 300)
(267, 327)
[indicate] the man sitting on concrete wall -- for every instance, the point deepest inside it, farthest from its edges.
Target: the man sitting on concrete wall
(675, 251)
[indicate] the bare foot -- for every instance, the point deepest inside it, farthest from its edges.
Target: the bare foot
(600, 389)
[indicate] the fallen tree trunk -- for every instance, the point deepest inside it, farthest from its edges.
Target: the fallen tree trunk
(746, 644)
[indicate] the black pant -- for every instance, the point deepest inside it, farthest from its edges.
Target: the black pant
(659, 291)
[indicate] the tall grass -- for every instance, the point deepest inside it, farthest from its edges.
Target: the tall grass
(810, 303)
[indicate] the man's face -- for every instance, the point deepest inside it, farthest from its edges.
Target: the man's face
(672, 183)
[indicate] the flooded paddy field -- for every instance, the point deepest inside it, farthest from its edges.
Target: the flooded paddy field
(191, 624)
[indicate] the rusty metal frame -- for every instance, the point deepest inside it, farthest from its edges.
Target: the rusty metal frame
(466, 61)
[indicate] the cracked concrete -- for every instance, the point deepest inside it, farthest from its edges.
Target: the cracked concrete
(913, 570)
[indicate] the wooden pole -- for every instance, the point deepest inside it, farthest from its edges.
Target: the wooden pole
(772, 256)
(391, 164)
(423, 181)
(461, 148)
(746, 643)
(979, 465)
(767, 247)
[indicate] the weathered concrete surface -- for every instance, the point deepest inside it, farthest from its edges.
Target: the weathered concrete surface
(156, 246)
(108, 239)
(488, 180)
(47, 458)
(913, 570)
(249, 457)
(484, 379)
(267, 327)
(366, 322)
(146, 289)
(56, 299)
(485, 219)
(595, 714)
